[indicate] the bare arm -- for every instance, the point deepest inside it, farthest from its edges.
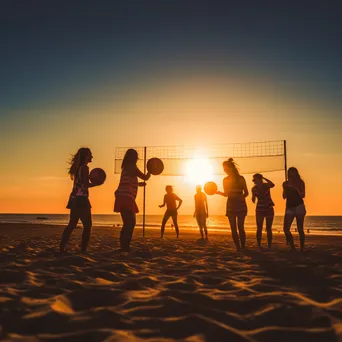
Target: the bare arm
(301, 191)
(284, 191)
(180, 201)
(206, 207)
(225, 189)
(268, 182)
(142, 176)
(84, 177)
(162, 205)
(253, 196)
(245, 190)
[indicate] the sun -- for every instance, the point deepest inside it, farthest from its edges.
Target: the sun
(198, 171)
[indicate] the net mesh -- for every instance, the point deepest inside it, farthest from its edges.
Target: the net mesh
(251, 157)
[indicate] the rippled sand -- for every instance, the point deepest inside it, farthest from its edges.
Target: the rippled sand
(184, 290)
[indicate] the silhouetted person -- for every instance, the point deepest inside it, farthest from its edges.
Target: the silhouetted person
(79, 205)
(235, 188)
(294, 192)
(126, 194)
(264, 208)
(170, 199)
(201, 211)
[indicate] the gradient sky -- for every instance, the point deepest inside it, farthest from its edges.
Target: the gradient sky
(103, 74)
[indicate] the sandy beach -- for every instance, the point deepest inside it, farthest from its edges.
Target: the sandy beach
(169, 290)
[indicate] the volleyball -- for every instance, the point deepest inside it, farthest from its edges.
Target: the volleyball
(155, 166)
(210, 188)
(97, 176)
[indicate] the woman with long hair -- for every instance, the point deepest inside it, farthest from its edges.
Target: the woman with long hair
(235, 188)
(126, 194)
(79, 205)
(294, 193)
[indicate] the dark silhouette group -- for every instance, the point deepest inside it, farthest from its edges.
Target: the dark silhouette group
(234, 188)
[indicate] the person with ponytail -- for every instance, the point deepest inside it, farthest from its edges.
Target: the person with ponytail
(126, 194)
(294, 193)
(79, 205)
(235, 189)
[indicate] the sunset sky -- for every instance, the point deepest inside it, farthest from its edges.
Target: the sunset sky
(140, 73)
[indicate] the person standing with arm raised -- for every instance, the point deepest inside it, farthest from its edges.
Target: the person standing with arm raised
(264, 209)
(235, 189)
(126, 194)
(170, 199)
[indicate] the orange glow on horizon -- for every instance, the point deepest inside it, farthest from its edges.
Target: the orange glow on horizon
(174, 111)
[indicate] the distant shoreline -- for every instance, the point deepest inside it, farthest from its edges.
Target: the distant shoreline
(140, 215)
(223, 230)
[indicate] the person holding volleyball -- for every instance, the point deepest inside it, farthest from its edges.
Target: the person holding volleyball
(126, 194)
(235, 189)
(79, 205)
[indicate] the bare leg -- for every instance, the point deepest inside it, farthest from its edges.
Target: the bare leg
(165, 219)
(74, 217)
(259, 222)
(128, 218)
(288, 219)
(205, 228)
(233, 228)
(199, 223)
(175, 222)
(269, 222)
(300, 226)
(87, 223)
(241, 227)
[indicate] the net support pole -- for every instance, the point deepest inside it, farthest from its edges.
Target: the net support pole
(285, 160)
(144, 200)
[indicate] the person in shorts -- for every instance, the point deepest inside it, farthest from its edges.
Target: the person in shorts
(125, 196)
(264, 208)
(79, 205)
(170, 200)
(235, 189)
(294, 193)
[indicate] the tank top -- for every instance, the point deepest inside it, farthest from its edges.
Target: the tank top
(234, 186)
(79, 189)
(263, 194)
(293, 199)
(128, 186)
(235, 201)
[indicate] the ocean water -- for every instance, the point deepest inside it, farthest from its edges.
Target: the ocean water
(323, 224)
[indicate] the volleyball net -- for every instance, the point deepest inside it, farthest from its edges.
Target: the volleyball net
(251, 157)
